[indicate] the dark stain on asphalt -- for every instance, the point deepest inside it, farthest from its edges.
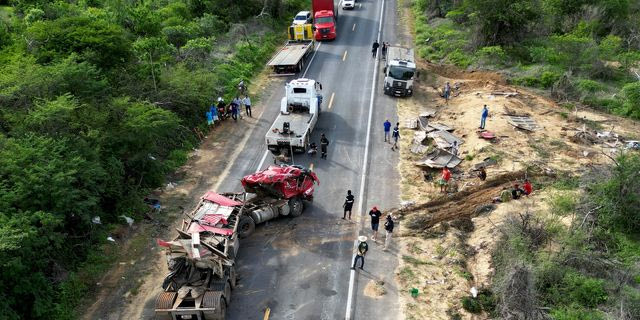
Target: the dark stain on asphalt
(328, 292)
(305, 286)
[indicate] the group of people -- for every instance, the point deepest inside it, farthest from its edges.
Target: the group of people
(515, 193)
(324, 144)
(375, 215)
(388, 135)
(221, 110)
(376, 45)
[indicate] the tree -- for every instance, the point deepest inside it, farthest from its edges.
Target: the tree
(503, 21)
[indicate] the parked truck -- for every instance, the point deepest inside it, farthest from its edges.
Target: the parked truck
(325, 16)
(201, 258)
(399, 71)
(299, 110)
(291, 58)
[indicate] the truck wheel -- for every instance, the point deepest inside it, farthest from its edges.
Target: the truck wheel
(296, 206)
(233, 277)
(214, 300)
(246, 226)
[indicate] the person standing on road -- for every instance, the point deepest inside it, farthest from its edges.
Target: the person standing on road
(247, 105)
(384, 50)
(348, 204)
(388, 226)
(374, 48)
(375, 222)
(447, 92)
(485, 114)
(324, 143)
(214, 113)
(396, 136)
(387, 130)
(234, 111)
(363, 247)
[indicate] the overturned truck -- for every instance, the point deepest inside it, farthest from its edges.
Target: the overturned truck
(201, 258)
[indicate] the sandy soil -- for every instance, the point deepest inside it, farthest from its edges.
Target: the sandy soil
(443, 262)
(118, 295)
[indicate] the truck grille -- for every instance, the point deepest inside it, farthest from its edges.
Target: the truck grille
(325, 30)
(399, 84)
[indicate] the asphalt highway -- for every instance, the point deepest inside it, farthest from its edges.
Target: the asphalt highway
(299, 267)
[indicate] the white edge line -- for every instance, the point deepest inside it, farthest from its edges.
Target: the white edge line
(266, 152)
(364, 166)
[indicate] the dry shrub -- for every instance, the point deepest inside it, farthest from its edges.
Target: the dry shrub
(518, 296)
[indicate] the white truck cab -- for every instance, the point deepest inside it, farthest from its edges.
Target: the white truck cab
(399, 71)
(299, 110)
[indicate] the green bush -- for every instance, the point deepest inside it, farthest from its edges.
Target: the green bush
(576, 312)
(471, 305)
(494, 55)
(563, 204)
(460, 58)
(584, 290)
(590, 86)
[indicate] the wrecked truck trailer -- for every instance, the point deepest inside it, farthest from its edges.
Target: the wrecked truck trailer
(201, 258)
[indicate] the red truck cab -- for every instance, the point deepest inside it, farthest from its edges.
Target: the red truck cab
(324, 19)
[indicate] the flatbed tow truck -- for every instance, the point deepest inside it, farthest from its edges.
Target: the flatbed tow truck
(291, 58)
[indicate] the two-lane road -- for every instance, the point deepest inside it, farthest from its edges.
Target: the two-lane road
(299, 268)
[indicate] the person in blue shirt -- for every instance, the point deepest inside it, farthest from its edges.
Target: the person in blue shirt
(396, 136)
(387, 130)
(209, 118)
(485, 114)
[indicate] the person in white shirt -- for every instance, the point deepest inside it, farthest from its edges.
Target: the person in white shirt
(247, 105)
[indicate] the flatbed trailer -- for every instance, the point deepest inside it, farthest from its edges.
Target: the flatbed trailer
(291, 58)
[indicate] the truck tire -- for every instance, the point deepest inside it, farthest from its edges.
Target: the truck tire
(246, 226)
(222, 286)
(296, 206)
(233, 277)
(214, 300)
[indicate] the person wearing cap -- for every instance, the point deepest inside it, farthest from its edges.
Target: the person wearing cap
(375, 221)
(388, 226)
(324, 142)
(363, 247)
(348, 204)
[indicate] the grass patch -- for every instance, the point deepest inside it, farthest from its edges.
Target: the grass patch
(415, 261)
(407, 275)
(563, 204)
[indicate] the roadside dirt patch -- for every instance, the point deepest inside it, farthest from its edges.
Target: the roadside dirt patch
(374, 289)
(443, 261)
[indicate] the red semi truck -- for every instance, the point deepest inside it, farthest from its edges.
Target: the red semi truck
(325, 15)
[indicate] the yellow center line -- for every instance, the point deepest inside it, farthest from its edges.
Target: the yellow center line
(354, 27)
(267, 313)
(311, 167)
(344, 56)
(333, 94)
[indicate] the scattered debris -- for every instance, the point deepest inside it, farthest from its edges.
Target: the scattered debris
(474, 292)
(109, 238)
(444, 139)
(439, 159)
(170, 186)
(584, 137)
(128, 220)
(96, 220)
(506, 94)
(411, 123)
(418, 146)
(633, 144)
(487, 162)
(523, 122)
(437, 126)
(488, 135)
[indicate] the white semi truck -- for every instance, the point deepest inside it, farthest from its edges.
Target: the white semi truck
(299, 110)
(399, 71)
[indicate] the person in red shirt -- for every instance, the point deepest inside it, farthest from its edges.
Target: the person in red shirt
(527, 187)
(446, 176)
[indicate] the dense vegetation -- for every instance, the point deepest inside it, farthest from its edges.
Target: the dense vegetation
(581, 260)
(582, 50)
(98, 99)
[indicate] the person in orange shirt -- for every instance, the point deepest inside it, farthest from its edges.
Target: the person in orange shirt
(444, 181)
